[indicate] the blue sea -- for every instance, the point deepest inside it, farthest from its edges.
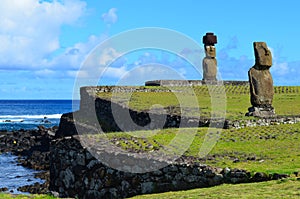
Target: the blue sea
(27, 114)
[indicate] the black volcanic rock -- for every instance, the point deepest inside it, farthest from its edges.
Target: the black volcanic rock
(33, 149)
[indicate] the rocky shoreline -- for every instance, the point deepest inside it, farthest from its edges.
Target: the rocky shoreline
(32, 148)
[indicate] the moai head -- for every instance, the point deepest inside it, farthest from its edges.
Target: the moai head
(263, 56)
(209, 41)
(210, 51)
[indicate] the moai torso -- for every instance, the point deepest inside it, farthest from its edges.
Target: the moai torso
(261, 87)
(209, 65)
(209, 62)
(260, 78)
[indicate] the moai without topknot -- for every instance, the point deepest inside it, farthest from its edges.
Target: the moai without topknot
(209, 63)
(261, 82)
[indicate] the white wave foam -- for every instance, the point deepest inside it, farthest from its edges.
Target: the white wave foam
(24, 117)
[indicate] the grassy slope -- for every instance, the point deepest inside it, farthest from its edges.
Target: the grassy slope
(5, 196)
(271, 149)
(273, 189)
(288, 188)
(274, 148)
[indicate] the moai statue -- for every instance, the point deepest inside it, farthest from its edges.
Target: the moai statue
(209, 63)
(261, 82)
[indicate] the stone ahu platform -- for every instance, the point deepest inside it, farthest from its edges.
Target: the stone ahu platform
(75, 171)
(194, 83)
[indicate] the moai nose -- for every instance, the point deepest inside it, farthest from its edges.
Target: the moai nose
(267, 52)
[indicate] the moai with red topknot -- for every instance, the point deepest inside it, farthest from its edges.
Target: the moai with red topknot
(209, 63)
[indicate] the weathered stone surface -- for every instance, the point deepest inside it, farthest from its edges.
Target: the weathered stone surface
(177, 83)
(261, 87)
(260, 177)
(209, 69)
(209, 63)
(277, 176)
(210, 51)
(261, 82)
(147, 187)
(101, 181)
(267, 121)
(263, 112)
(32, 147)
(263, 56)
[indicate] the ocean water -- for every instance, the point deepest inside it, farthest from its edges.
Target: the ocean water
(27, 114)
(14, 176)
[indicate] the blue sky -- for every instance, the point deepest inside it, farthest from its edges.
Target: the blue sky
(44, 43)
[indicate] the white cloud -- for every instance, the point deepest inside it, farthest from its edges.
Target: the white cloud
(29, 29)
(102, 62)
(75, 55)
(115, 72)
(110, 17)
(107, 56)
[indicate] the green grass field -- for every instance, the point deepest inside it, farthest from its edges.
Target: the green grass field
(32, 196)
(287, 189)
(269, 149)
(235, 100)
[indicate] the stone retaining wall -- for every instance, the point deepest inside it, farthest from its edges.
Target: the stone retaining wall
(74, 172)
(237, 124)
(193, 83)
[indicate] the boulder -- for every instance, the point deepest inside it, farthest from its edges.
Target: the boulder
(260, 177)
